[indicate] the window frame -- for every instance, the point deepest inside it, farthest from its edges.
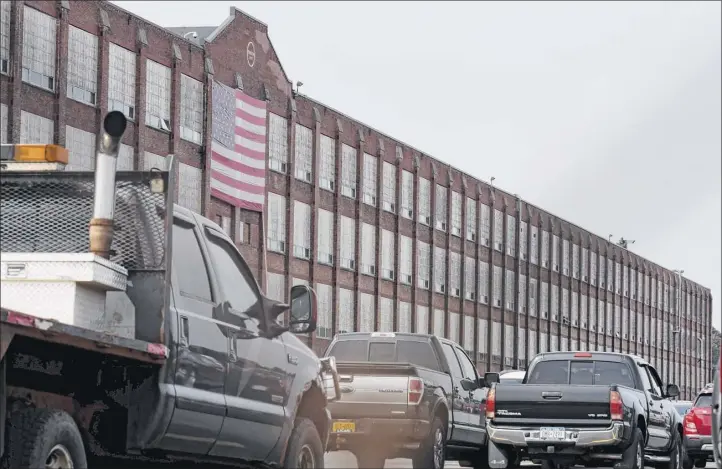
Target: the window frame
(192, 96)
(77, 56)
(154, 90)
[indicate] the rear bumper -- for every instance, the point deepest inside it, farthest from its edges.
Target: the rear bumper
(700, 446)
(575, 437)
(380, 434)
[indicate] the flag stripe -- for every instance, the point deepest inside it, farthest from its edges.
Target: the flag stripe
(238, 161)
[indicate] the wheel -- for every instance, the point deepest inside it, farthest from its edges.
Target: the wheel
(305, 450)
(677, 455)
(44, 438)
(700, 463)
(634, 455)
(370, 461)
(432, 453)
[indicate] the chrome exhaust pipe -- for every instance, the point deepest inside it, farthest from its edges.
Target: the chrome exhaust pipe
(106, 161)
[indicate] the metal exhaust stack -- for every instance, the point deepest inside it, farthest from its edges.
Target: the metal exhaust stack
(101, 226)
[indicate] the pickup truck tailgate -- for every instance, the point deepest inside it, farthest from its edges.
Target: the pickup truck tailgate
(549, 404)
(373, 390)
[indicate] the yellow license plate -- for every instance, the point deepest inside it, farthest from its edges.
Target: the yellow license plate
(344, 427)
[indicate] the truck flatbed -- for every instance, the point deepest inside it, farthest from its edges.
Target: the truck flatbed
(13, 323)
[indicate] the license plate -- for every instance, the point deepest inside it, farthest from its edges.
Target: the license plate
(553, 433)
(344, 427)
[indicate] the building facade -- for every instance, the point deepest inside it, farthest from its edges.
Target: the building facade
(389, 237)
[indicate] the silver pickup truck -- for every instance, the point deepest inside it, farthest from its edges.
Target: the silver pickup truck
(407, 396)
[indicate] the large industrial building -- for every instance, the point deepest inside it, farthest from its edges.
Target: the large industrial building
(390, 238)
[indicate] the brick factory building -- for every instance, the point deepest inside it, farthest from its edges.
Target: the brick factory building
(390, 238)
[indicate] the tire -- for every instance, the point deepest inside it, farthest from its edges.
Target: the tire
(633, 456)
(700, 463)
(432, 454)
(677, 454)
(305, 450)
(36, 435)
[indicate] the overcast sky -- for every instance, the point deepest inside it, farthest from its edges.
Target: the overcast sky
(621, 99)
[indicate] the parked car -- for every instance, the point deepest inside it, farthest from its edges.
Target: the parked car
(407, 395)
(698, 430)
(593, 408)
(682, 407)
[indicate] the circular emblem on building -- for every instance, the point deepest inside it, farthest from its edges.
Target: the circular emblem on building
(251, 54)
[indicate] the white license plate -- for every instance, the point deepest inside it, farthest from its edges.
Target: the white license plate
(552, 433)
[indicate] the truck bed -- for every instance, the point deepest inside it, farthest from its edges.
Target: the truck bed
(13, 323)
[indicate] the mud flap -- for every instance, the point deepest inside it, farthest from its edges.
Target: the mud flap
(498, 458)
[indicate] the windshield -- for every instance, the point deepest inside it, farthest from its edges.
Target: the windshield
(683, 407)
(704, 400)
(582, 372)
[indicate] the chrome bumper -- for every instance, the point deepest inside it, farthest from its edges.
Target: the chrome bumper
(580, 437)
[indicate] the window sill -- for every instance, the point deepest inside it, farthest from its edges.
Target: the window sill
(307, 259)
(93, 105)
(158, 129)
(274, 251)
(47, 90)
(186, 140)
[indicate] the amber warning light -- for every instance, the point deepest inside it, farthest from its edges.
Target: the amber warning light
(31, 153)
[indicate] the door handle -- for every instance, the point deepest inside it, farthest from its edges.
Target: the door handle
(185, 331)
(232, 349)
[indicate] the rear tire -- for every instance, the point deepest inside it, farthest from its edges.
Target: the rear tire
(677, 454)
(432, 454)
(305, 450)
(39, 437)
(633, 456)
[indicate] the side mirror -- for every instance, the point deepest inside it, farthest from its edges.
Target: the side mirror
(303, 310)
(490, 378)
(468, 384)
(672, 390)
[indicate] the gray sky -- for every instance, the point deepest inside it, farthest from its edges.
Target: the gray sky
(623, 98)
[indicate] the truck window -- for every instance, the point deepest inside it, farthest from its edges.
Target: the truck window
(454, 366)
(466, 367)
(189, 265)
(653, 388)
(582, 372)
(403, 351)
(349, 350)
(417, 353)
(382, 352)
(236, 281)
(550, 372)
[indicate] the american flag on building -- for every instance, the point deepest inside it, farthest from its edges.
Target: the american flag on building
(238, 149)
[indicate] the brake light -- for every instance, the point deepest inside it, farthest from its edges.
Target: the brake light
(491, 404)
(582, 355)
(689, 426)
(616, 408)
(415, 391)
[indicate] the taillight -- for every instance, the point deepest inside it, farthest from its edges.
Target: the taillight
(616, 408)
(490, 404)
(689, 426)
(416, 390)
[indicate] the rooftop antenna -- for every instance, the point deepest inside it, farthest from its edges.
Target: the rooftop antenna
(492, 181)
(299, 84)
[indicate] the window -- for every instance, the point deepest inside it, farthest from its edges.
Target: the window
(151, 160)
(388, 255)
(441, 202)
(509, 341)
(555, 302)
(543, 342)
(565, 257)
(404, 317)
(523, 232)
(39, 42)
(532, 297)
(565, 304)
(324, 308)
(236, 282)
(347, 238)
(509, 291)
(511, 235)
(126, 157)
(498, 230)
(469, 335)
(610, 319)
(423, 264)
(532, 349)
(469, 279)
(367, 308)
(301, 229)
(545, 249)
(454, 324)
(485, 235)
(617, 278)
(389, 189)
(368, 249)
(451, 359)
(370, 175)
(325, 248)
(406, 259)
(346, 311)
(327, 164)
(5, 14)
(191, 276)
(483, 286)
(455, 273)
(521, 297)
(276, 286)
(82, 65)
(471, 221)
(386, 314)
(439, 270)
(157, 96)
(304, 153)
(481, 341)
(555, 253)
(424, 201)
(121, 81)
(496, 339)
(455, 214)
(191, 112)
(422, 319)
(575, 308)
(36, 129)
(277, 143)
(584, 271)
(593, 269)
(439, 322)
(276, 223)
(4, 129)
(534, 248)
(348, 171)
(497, 285)
(190, 187)
(81, 149)
(407, 195)
(544, 307)
(610, 274)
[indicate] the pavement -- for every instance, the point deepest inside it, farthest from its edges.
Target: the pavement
(346, 460)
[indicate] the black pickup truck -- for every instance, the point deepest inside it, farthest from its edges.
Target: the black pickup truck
(407, 396)
(210, 374)
(592, 408)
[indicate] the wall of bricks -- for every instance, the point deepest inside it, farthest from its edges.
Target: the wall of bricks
(224, 58)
